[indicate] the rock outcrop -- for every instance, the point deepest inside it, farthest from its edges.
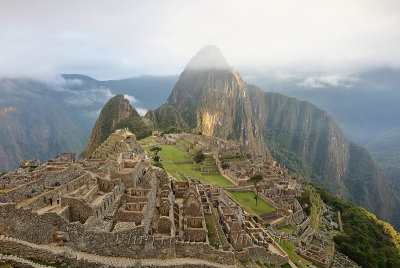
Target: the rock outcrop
(213, 99)
(164, 117)
(114, 111)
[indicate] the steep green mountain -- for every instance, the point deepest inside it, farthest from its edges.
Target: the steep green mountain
(164, 117)
(366, 240)
(386, 151)
(36, 124)
(364, 104)
(117, 113)
(214, 99)
(114, 111)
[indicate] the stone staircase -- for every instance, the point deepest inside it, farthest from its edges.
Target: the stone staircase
(93, 260)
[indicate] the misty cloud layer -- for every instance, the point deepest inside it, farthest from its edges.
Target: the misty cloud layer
(129, 38)
(88, 99)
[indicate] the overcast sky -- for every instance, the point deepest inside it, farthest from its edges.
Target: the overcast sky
(118, 39)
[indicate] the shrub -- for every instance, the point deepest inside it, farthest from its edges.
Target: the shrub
(225, 165)
(158, 164)
(199, 157)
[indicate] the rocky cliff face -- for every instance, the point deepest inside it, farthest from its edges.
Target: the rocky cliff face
(114, 111)
(36, 124)
(164, 117)
(310, 142)
(214, 99)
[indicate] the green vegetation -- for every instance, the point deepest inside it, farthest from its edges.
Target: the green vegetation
(255, 180)
(110, 115)
(224, 165)
(386, 151)
(199, 157)
(155, 149)
(287, 228)
(167, 118)
(305, 201)
(170, 154)
(172, 129)
(246, 199)
(366, 240)
(48, 264)
(5, 265)
(136, 126)
(289, 248)
(212, 231)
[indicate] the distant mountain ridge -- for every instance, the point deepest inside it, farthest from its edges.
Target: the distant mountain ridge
(49, 117)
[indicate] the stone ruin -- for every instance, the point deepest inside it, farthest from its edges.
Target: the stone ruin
(118, 205)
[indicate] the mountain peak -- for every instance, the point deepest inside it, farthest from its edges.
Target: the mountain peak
(209, 57)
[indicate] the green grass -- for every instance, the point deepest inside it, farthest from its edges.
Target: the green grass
(316, 206)
(170, 154)
(289, 248)
(187, 142)
(286, 228)
(247, 201)
(47, 264)
(285, 266)
(5, 265)
(212, 231)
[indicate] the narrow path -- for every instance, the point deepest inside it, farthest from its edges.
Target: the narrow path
(112, 261)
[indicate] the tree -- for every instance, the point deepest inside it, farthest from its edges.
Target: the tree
(156, 158)
(156, 149)
(255, 180)
(172, 129)
(224, 165)
(199, 156)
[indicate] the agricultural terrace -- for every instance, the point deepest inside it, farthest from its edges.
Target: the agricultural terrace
(171, 156)
(247, 200)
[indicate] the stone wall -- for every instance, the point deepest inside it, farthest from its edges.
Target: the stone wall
(302, 227)
(148, 218)
(207, 253)
(203, 251)
(43, 200)
(27, 252)
(29, 226)
(262, 255)
(36, 187)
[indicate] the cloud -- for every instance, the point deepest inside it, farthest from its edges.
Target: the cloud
(130, 98)
(159, 37)
(324, 81)
(141, 111)
(89, 97)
